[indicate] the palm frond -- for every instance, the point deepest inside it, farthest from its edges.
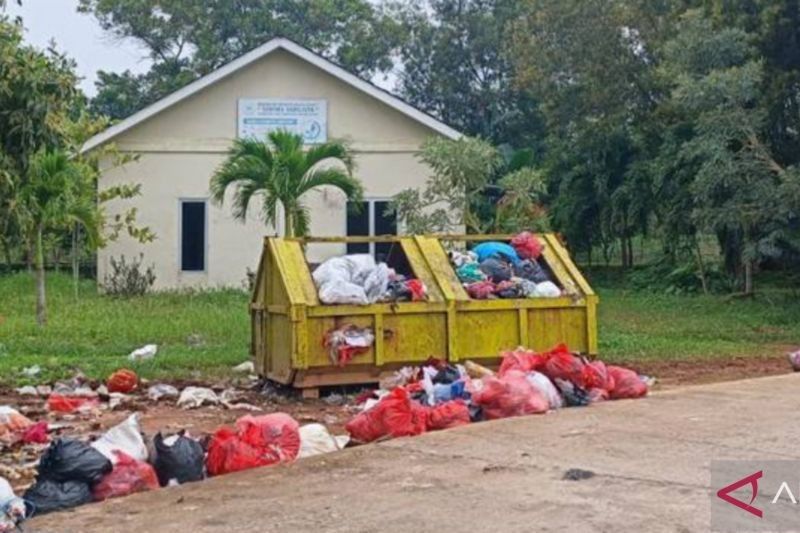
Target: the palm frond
(332, 150)
(350, 186)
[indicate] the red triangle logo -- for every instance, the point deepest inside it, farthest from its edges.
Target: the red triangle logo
(752, 480)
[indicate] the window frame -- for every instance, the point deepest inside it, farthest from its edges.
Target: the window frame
(179, 236)
(371, 201)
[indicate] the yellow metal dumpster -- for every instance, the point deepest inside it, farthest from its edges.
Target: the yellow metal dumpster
(289, 323)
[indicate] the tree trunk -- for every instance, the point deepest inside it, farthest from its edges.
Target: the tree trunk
(75, 259)
(701, 266)
(748, 278)
(288, 223)
(41, 304)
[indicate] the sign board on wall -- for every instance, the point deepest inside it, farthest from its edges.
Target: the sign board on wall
(259, 116)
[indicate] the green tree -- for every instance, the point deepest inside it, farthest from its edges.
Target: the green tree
(280, 172)
(457, 66)
(187, 39)
(742, 193)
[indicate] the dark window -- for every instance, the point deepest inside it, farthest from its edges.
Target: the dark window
(193, 236)
(384, 225)
(357, 226)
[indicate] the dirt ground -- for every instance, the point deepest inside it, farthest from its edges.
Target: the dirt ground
(333, 410)
(639, 465)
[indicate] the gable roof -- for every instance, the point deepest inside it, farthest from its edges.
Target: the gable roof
(254, 55)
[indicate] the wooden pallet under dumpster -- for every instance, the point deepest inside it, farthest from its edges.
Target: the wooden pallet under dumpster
(289, 323)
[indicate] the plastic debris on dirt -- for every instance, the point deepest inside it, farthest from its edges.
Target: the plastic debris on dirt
(12, 508)
(346, 342)
(124, 381)
(145, 353)
(438, 395)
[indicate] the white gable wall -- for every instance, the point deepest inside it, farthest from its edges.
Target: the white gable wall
(181, 147)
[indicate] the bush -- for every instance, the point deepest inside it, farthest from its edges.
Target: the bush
(126, 280)
(681, 278)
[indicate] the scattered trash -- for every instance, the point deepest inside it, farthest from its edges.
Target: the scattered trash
(128, 477)
(194, 397)
(28, 390)
(146, 352)
(577, 474)
(248, 367)
(178, 459)
(448, 415)
(230, 399)
(36, 434)
(794, 360)
(32, 371)
(476, 371)
(546, 388)
(346, 342)
(124, 437)
(12, 508)
(124, 381)
(162, 390)
(256, 441)
(61, 403)
(12, 424)
(316, 440)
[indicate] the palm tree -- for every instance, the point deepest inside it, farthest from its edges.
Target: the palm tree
(53, 197)
(281, 172)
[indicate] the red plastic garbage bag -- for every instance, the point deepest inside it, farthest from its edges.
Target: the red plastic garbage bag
(522, 360)
(396, 415)
(595, 376)
(12, 424)
(127, 477)
(36, 434)
(227, 453)
(510, 395)
(627, 383)
(276, 434)
(480, 290)
(417, 288)
(124, 381)
(257, 441)
(448, 415)
(60, 403)
(527, 245)
(561, 364)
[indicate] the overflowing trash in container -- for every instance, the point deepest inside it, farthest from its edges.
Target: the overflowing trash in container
(508, 271)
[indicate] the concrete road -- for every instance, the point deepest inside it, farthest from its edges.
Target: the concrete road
(650, 460)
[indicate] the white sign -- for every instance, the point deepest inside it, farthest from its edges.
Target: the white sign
(259, 116)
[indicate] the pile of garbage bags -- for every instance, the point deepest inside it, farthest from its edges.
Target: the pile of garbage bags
(123, 461)
(499, 270)
(357, 280)
(438, 395)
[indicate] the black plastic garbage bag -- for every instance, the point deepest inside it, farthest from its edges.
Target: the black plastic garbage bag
(447, 375)
(183, 461)
(574, 396)
(398, 291)
(73, 460)
(496, 270)
(46, 496)
(530, 270)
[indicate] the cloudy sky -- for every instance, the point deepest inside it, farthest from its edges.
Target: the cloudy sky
(79, 36)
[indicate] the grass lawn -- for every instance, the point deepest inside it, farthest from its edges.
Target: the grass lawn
(95, 333)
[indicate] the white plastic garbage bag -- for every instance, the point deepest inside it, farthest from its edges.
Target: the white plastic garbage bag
(377, 282)
(162, 390)
(125, 437)
(12, 508)
(316, 440)
(547, 289)
(342, 292)
(543, 384)
(144, 353)
(193, 397)
(248, 367)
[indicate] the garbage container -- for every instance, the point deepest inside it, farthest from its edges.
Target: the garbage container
(289, 323)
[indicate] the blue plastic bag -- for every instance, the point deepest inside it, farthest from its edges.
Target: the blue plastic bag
(500, 250)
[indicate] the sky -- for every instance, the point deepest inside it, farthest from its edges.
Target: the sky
(79, 36)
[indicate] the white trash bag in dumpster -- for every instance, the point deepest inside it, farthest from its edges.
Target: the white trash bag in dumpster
(351, 279)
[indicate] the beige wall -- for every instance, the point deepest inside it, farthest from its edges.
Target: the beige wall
(180, 148)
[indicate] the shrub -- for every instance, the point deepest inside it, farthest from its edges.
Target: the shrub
(126, 280)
